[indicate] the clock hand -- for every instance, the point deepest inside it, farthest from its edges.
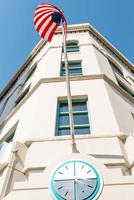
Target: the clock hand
(83, 181)
(66, 194)
(60, 187)
(86, 179)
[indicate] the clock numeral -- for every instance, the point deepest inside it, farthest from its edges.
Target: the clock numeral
(66, 167)
(90, 186)
(60, 187)
(66, 194)
(60, 173)
(88, 171)
(82, 167)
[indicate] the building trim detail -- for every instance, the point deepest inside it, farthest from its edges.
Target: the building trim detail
(71, 29)
(63, 79)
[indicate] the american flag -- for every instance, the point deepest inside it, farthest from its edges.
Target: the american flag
(46, 20)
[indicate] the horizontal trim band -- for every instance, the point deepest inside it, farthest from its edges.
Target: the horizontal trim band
(63, 79)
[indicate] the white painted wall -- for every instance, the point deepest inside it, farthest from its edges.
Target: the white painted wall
(49, 63)
(109, 114)
(122, 110)
(37, 116)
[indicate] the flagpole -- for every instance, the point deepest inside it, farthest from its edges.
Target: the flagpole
(71, 119)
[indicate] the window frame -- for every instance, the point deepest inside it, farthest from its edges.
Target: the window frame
(10, 137)
(125, 88)
(74, 46)
(78, 126)
(71, 67)
(22, 96)
(119, 76)
(132, 114)
(116, 68)
(30, 72)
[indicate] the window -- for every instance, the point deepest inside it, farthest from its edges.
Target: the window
(3, 105)
(10, 138)
(80, 114)
(116, 68)
(132, 71)
(132, 114)
(31, 72)
(72, 46)
(125, 88)
(74, 68)
(121, 82)
(22, 96)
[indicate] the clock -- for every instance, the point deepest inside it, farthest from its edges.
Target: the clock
(76, 180)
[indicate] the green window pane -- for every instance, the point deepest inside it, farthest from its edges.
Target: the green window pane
(74, 68)
(72, 47)
(81, 118)
(73, 72)
(22, 95)
(80, 114)
(10, 138)
(63, 120)
(125, 88)
(81, 131)
(63, 107)
(79, 106)
(116, 68)
(78, 131)
(74, 65)
(64, 131)
(31, 72)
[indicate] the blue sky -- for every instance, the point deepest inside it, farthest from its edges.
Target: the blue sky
(114, 19)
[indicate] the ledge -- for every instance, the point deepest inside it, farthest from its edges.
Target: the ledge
(121, 136)
(63, 79)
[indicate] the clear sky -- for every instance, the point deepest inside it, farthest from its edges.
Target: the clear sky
(114, 19)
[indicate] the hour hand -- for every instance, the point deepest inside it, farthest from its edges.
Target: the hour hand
(84, 181)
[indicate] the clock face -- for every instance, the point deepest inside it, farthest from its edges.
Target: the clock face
(76, 180)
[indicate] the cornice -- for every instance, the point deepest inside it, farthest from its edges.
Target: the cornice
(88, 27)
(71, 29)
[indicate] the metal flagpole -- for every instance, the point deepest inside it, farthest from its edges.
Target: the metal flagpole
(71, 119)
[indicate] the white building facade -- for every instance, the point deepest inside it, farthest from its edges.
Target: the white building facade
(36, 157)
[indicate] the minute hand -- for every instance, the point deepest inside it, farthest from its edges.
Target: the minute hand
(83, 181)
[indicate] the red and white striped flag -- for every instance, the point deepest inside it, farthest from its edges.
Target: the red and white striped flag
(47, 18)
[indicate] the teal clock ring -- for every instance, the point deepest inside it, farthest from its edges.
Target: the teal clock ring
(76, 180)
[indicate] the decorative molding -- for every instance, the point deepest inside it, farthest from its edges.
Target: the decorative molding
(87, 27)
(71, 29)
(120, 136)
(63, 79)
